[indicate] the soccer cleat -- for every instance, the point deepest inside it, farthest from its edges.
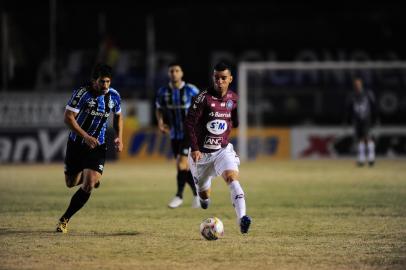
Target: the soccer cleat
(360, 164)
(175, 202)
(195, 202)
(245, 223)
(371, 163)
(204, 203)
(62, 225)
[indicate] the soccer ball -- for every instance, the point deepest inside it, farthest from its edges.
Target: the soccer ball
(212, 228)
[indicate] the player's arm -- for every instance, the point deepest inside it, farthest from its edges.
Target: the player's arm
(118, 127)
(70, 121)
(192, 121)
(164, 128)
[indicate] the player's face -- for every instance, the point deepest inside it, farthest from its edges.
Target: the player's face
(175, 73)
(222, 80)
(358, 85)
(103, 83)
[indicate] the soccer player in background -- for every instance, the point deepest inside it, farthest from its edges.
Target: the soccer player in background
(172, 104)
(362, 112)
(86, 116)
(209, 123)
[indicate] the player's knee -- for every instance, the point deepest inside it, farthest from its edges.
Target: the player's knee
(90, 182)
(230, 176)
(86, 187)
(230, 179)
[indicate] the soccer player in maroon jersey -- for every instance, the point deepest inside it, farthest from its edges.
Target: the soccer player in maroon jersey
(208, 126)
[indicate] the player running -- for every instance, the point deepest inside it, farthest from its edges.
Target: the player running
(208, 124)
(86, 115)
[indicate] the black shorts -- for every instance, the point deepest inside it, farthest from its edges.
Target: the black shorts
(79, 157)
(362, 130)
(180, 147)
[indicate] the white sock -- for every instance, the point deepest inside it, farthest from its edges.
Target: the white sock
(237, 198)
(371, 151)
(361, 152)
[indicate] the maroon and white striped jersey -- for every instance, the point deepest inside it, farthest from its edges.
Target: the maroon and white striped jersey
(210, 119)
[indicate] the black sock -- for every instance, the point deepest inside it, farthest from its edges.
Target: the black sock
(181, 183)
(189, 180)
(78, 200)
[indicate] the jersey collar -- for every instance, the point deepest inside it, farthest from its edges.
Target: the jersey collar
(182, 84)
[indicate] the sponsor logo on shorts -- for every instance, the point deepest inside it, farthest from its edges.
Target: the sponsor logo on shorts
(212, 142)
(217, 127)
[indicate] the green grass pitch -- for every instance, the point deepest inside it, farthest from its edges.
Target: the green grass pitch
(306, 215)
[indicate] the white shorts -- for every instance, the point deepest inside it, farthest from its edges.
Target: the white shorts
(212, 165)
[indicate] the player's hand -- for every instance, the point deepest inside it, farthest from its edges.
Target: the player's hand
(196, 156)
(164, 128)
(118, 144)
(92, 142)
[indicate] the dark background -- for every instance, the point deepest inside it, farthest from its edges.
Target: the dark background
(199, 34)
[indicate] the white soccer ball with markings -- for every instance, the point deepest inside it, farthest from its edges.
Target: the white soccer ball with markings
(212, 228)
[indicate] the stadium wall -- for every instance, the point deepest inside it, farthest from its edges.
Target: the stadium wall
(47, 144)
(150, 144)
(339, 142)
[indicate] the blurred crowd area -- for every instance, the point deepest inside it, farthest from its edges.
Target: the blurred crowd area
(53, 45)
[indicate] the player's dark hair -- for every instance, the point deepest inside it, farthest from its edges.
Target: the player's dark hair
(102, 70)
(172, 64)
(221, 66)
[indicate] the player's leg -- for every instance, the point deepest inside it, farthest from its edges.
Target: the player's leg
(73, 180)
(73, 165)
(93, 163)
(371, 149)
(79, 199)
(371, 152)
(360, 134)
(177, 200)
(361, 153)
(202, 173)
(73, 176)
(227, 164)
(185, 173)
